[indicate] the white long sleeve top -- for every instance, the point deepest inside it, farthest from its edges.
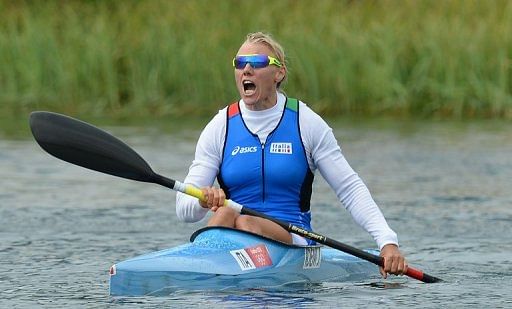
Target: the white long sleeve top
(323, 154)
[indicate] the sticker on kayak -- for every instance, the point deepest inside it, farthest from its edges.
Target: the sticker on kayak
(312, 257)
(112, 271)
(252, 257)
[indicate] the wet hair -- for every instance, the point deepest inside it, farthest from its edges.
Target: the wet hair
(270, 42)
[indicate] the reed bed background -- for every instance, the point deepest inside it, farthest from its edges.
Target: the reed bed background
(129, 59)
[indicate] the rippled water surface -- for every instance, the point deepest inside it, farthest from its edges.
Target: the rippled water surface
(446, 189)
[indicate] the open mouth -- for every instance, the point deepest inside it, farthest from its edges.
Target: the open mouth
(249, 87)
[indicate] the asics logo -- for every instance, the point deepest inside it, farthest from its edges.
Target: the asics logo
(241, 150)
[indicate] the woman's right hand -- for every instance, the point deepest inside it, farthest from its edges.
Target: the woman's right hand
(214, 198)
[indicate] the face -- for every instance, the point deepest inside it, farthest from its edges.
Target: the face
(257, 87)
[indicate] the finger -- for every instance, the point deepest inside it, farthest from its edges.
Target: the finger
(394, 265)
(385, 265)
(215, 197)
(399, 266)
(406, 268)
(388, 265)
(211, 197)
(222, 197)
(383, 273)
(402, 267)
(203, 202)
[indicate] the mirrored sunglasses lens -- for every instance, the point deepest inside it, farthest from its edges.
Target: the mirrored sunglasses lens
(256, 62)
(240, 64)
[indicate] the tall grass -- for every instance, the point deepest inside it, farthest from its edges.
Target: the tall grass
(172, 58)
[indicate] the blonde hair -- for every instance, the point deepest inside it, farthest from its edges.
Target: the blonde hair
(270, 42)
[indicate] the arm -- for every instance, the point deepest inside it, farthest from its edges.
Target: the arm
(323, 152)
(322, 148)
(204, 168)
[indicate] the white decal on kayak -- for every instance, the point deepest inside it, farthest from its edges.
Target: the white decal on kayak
(252, 257)
(243, 259)
(312, 257)
(281, 148)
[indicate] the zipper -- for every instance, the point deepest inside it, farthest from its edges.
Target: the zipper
(263, 171)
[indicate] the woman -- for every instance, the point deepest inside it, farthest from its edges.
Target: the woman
(264, 150)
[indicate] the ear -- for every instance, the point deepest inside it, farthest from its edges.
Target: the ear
(280, 74)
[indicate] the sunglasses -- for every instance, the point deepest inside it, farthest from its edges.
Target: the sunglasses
(255, 61)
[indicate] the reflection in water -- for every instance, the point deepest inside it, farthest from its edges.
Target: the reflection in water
(259, 298)
(384, 285)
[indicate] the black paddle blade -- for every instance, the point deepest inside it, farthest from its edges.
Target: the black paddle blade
(82, 144)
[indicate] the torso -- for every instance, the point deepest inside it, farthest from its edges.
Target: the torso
(270, 176)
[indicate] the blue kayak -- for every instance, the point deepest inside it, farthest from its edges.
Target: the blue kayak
(220, 258)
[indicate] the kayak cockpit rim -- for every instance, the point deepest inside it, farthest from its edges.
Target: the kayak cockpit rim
(204, 229)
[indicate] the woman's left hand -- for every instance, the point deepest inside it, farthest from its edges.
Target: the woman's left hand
(394, 261)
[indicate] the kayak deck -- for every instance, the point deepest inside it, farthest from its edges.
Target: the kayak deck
(222, 258)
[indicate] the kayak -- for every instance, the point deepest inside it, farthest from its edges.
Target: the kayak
(219, 258)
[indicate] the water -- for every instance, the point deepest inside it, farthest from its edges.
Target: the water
(444, 188)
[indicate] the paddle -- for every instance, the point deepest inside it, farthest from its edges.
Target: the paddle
(82, 144)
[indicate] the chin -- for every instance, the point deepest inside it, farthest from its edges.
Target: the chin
(249, 100)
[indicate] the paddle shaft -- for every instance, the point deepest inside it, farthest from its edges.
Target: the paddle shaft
(80, 143)
(377, 260)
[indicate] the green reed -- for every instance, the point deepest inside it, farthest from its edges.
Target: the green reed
(449, 59)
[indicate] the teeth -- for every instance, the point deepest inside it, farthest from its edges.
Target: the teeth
(249, 87)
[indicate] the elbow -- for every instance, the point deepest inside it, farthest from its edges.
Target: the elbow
(188, 210)
(181, 217)
(185, 217)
